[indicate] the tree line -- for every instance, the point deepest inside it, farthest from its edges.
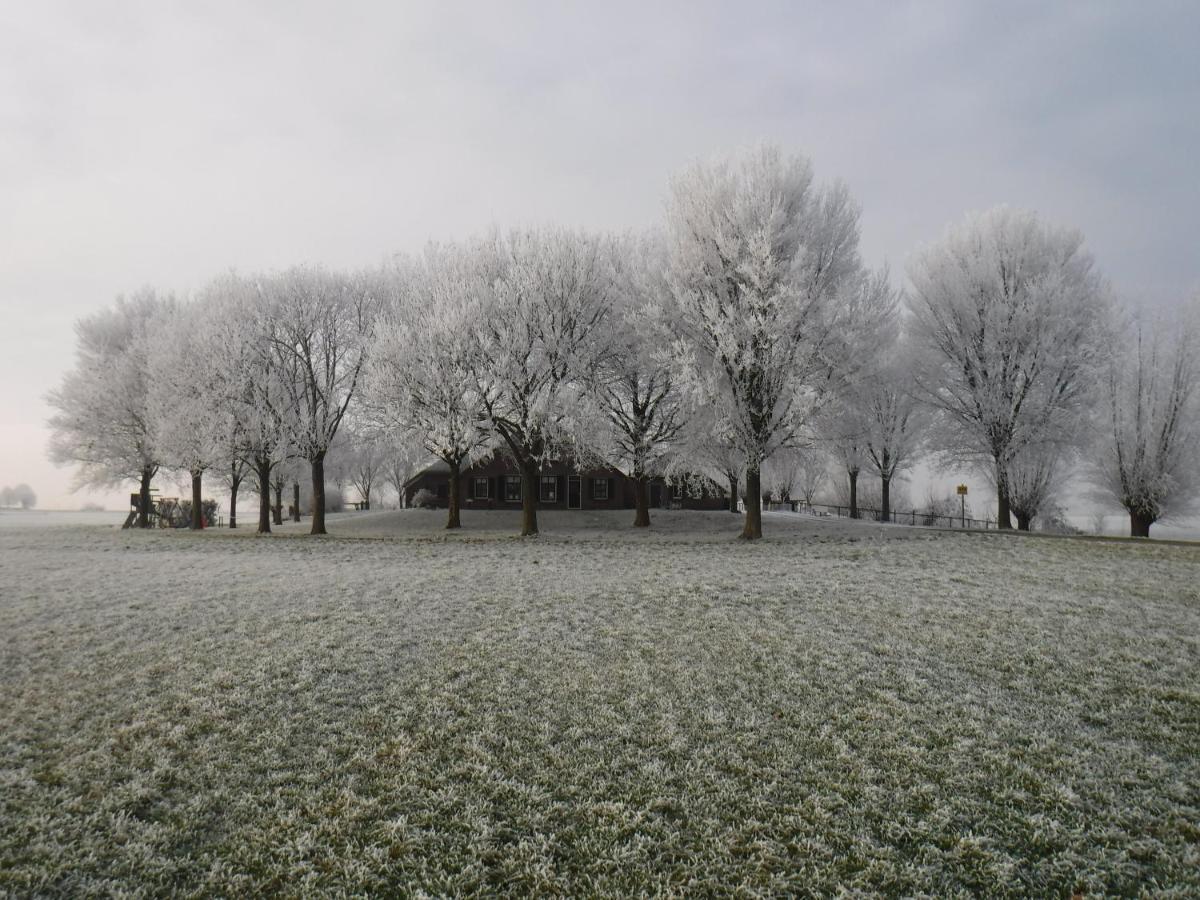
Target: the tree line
(21, 495)
(746, 329)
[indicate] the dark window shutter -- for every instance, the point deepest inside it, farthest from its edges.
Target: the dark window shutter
(611, 488)
(470, 488)
(492, 487)
(561, 489)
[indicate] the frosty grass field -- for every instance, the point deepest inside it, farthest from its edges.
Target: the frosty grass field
(840, 705)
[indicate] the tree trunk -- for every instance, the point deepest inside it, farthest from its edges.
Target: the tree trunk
(1003, 516)
(197, 502)
(264, 495)
(318, 498)
(752, 529)
(143, 519)
(235, 481)
(1139, 525)
(885, 496)
(853, 473)
(453, 519)
(733, 497)
(641, 501)
(277, 509)
(1023, 521)
(295, 501)
(529, 499)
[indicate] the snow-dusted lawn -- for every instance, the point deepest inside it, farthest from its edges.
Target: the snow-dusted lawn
(597, 711)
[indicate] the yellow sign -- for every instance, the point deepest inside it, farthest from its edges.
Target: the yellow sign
(962, 488)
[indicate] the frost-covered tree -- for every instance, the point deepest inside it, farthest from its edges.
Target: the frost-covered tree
(1010, 318)
(633, 385)
(366, 473)
(250, 383)
(781, 474)
(866, 497)
(233, 474)
(281, 477)
(708, 452)
(893, 422)
(184, 401)
(537, 341)
(358, 459)
(867, 424)
(761, 264)
(220, 370)
(422, 379)
(851, 417)
(729, 463)
(21, 495)
(319, 324)
(1151, 434)
(812, 476)
(402, 458)
(1034, 475)
(850, 450)
(102, 420)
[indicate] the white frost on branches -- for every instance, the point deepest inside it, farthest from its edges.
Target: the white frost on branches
(764, 268)
(422, 376)
(102, 421)
(317, 326)
(1151, 436)
(1011, 320)
(536, 332)
(632, 383)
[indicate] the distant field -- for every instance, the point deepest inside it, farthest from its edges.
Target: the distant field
(597, 711)
(53, 518)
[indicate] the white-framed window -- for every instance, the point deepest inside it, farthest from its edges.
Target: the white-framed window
(677, 491)
(549, 492)
(481, 487)
(512, 488)
(599, 488)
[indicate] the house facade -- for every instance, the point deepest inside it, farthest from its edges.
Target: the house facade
(495, 483)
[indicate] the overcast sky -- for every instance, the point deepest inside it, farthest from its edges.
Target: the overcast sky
(160, 143)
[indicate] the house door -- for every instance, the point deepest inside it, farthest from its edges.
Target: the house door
(574, 494)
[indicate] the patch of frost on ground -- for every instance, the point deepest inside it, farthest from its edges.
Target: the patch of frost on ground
(843, 706)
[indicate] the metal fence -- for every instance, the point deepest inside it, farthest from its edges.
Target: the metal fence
(868, 514)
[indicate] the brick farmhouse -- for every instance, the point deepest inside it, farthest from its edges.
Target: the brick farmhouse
(495, 483)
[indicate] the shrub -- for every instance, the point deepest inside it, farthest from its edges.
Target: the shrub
(939, 508)
(424, 499)
(1054, 521)
(183, 517)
